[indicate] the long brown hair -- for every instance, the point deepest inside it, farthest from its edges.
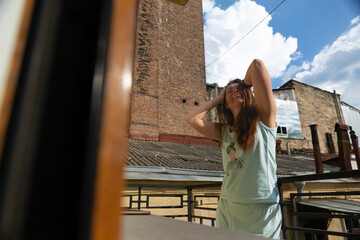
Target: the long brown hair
(245, 123)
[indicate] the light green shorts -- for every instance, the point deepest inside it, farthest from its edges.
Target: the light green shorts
(260, 219)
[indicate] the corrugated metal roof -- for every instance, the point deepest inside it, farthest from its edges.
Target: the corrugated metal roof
(196, 157)
(338, 205)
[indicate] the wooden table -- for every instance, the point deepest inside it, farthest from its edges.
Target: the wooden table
(150, 227)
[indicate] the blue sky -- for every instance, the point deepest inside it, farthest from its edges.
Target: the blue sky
(313, 41)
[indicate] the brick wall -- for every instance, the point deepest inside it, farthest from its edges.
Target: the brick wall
(315, 106)
(169, 74)
(212, 91)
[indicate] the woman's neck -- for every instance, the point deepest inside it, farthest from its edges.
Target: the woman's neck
(235, 112)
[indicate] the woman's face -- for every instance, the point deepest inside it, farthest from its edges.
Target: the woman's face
(234, 97)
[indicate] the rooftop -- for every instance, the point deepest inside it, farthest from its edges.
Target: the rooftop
(200, 159)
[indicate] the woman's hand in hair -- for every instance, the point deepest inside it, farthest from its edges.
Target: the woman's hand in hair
(196, 118)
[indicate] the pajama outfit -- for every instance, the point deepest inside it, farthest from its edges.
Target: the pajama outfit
(249, 196)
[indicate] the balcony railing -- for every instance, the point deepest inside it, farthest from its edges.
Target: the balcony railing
(343, 208)
(188, 200)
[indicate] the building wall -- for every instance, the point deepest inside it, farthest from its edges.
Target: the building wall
(169, 74)
(284, 94)
(212, 90)
(352, 118)
(315, 106)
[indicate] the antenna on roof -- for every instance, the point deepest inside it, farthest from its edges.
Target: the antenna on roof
(179, 2)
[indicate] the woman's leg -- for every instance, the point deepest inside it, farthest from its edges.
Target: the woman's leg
(222, 215)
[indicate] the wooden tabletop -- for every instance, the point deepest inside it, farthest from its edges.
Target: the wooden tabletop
(150, 227)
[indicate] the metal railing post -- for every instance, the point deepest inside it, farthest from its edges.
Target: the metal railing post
(189, 197)
(316, 147)
(296, 228)
(139, 198)
(281, 202)
(295, 218)
(344, 146)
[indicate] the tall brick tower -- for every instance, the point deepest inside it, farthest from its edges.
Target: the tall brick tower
(169, 77)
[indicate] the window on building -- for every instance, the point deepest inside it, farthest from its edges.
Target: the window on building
(282, 131)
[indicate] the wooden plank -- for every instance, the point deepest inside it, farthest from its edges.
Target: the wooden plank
(115, 122)
(152, 227)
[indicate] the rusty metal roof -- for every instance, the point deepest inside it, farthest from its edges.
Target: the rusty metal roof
(195, 157)
(173, 155)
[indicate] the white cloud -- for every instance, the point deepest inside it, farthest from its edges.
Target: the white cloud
(296, 55)
(223, 28)
(336, 66)
(208, 5)
(355, 20)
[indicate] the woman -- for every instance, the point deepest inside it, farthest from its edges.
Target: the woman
(247, 131)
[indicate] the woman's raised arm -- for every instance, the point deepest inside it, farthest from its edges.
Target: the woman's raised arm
(259, 77)
(206, 128)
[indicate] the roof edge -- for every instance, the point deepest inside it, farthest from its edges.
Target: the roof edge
(305, 84)
(348, 105)
(177, 171)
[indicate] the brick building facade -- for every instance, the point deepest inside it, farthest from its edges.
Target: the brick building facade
(169, 70)
(315, 106)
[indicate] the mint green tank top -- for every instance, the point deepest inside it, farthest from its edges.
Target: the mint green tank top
(250, 177)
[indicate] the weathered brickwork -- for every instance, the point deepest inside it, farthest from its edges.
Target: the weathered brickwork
(212, 91)
(315, 106)
(169, 75)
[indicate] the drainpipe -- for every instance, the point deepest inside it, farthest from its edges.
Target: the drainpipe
(300, 187)
(216, 93)
(338, 108)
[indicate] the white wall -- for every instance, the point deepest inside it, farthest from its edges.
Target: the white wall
(10, 16)
(287, 114)
(352, 118)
